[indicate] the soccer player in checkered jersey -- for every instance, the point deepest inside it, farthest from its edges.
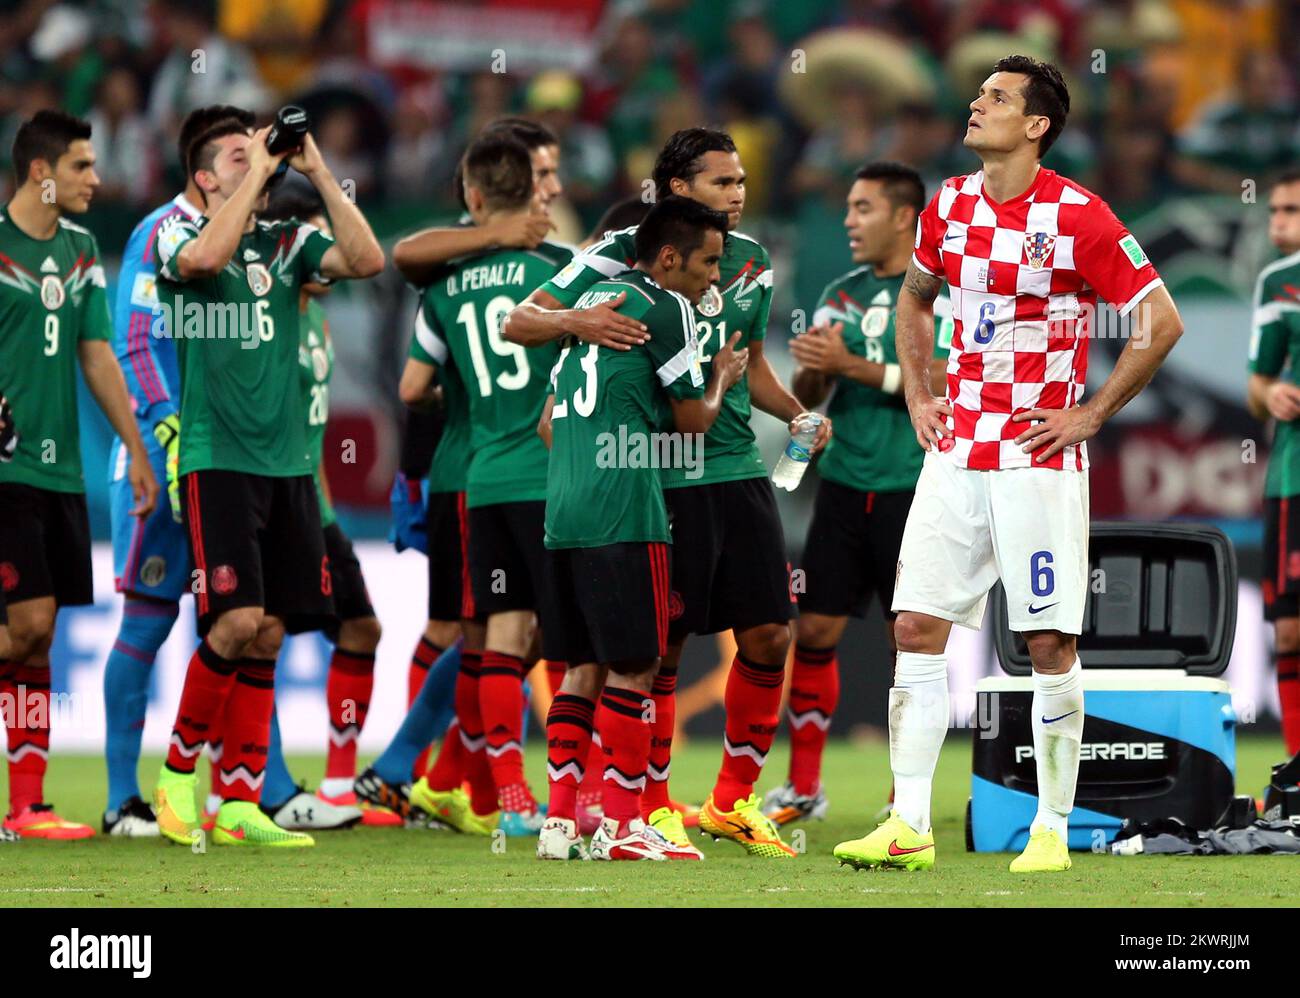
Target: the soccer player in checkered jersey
(1003, 492)
(1272, 392)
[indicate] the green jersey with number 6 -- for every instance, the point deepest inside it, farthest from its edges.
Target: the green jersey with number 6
(874, 448)
(740, 302)
(610, 410)
(316, 367)
(1275, 351)
(237, 337)
(459, 327)
(51, 298)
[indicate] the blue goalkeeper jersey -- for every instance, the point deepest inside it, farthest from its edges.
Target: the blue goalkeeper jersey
(148, 361)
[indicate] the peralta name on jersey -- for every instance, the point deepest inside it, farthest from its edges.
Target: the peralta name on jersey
(489, 275)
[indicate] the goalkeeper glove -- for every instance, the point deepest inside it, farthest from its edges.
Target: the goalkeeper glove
(168, 434)
(409, 504)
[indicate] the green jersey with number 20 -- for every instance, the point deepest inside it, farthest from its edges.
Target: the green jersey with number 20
(740, 302)
(316, 367)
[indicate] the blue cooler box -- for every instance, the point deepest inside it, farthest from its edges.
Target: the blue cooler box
(1159, 737)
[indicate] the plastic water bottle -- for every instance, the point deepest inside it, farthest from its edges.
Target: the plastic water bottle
(788, 472)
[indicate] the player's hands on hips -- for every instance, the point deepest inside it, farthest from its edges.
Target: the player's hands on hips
(260, 160)
(1055, 429)
(167, 432)
(307, 160)
(1283, 401)
(930, 420)
(523, 231)
(821, 349)
(729, 363)
(823, 436)
(144, 487)
(605, 326)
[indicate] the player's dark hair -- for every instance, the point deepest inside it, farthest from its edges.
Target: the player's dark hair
(1045, 94)
(901, 184)
(499, 166)
(201, 119)
(681, 154)
(300, 201)
(677, 222)
(45, 135)
(533, 134)
(203, 150)
(620, 215)
(1290, 176)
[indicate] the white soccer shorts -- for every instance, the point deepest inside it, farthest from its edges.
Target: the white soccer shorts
(967, 529)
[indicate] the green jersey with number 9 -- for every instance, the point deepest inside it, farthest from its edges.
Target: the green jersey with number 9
(874, 448)
(459, 326)
(237, 337)
(51, 297)
(316, 367)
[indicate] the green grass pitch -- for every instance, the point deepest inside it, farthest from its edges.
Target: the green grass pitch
(367, 867)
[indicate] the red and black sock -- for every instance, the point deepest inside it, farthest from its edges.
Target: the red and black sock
(814, 692)
(448, 769)
(555, 675)
(664, 696)
(28, 728)
(422, 659)
(623, 720)
(753, 705)
(1288, 692)
(569, 725)
(501, 699)
(203, 699)
(247, 736)
(469, 715)
(348, 685)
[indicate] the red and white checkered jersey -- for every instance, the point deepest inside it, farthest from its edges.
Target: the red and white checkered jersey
(1024, 276)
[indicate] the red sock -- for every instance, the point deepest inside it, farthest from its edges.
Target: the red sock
(568, 745)
(623, 722)
(248, 730)
(501, 698)
(664, 695)
(753, 705)
(469, 715)
(1288, 692)
(814, 692)
(28, 728)
(448, 769)
(203, 698)
(555, 675)
(592, 789)
(425, 654)
(348, 685)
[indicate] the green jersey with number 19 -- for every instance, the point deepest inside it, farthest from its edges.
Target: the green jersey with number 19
(1275, 351)
(610, 410)
(459, 327)
(237, 337)
(316, 367)
(51, 298)
(874, 448)
(740, 302)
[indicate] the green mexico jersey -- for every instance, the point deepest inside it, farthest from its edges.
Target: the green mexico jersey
(603, 486)
(874, 448)
(315, 368)
(459, 327)
(1274, 351)
(51, 298)
(237, 337)
(740, 302)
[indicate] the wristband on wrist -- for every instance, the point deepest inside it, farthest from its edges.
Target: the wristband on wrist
(893, 379)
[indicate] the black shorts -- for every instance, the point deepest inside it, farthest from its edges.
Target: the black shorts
(448, 531)
(607, 604)
(729, 567)
(257, 541)
(852, 551)
(347, 584)
(507, 556)
(1281, 582)
(44, 546)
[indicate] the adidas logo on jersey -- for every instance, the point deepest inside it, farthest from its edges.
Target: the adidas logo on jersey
(49, 266)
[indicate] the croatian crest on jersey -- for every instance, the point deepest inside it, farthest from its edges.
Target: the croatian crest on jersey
(52, 294)
(711, 302)
(259, 279)
(1038, 247)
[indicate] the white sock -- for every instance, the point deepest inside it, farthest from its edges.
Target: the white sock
(213, 803)
(335, 786)
(1058, 700)
(918, 721)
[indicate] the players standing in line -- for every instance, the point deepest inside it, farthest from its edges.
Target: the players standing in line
(607, 524)
(730, 570)
(250, 504)
(506, 385)
(151, 561)
(1272, 391)
(53, 315)
(868, 471)
(1003, 491)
